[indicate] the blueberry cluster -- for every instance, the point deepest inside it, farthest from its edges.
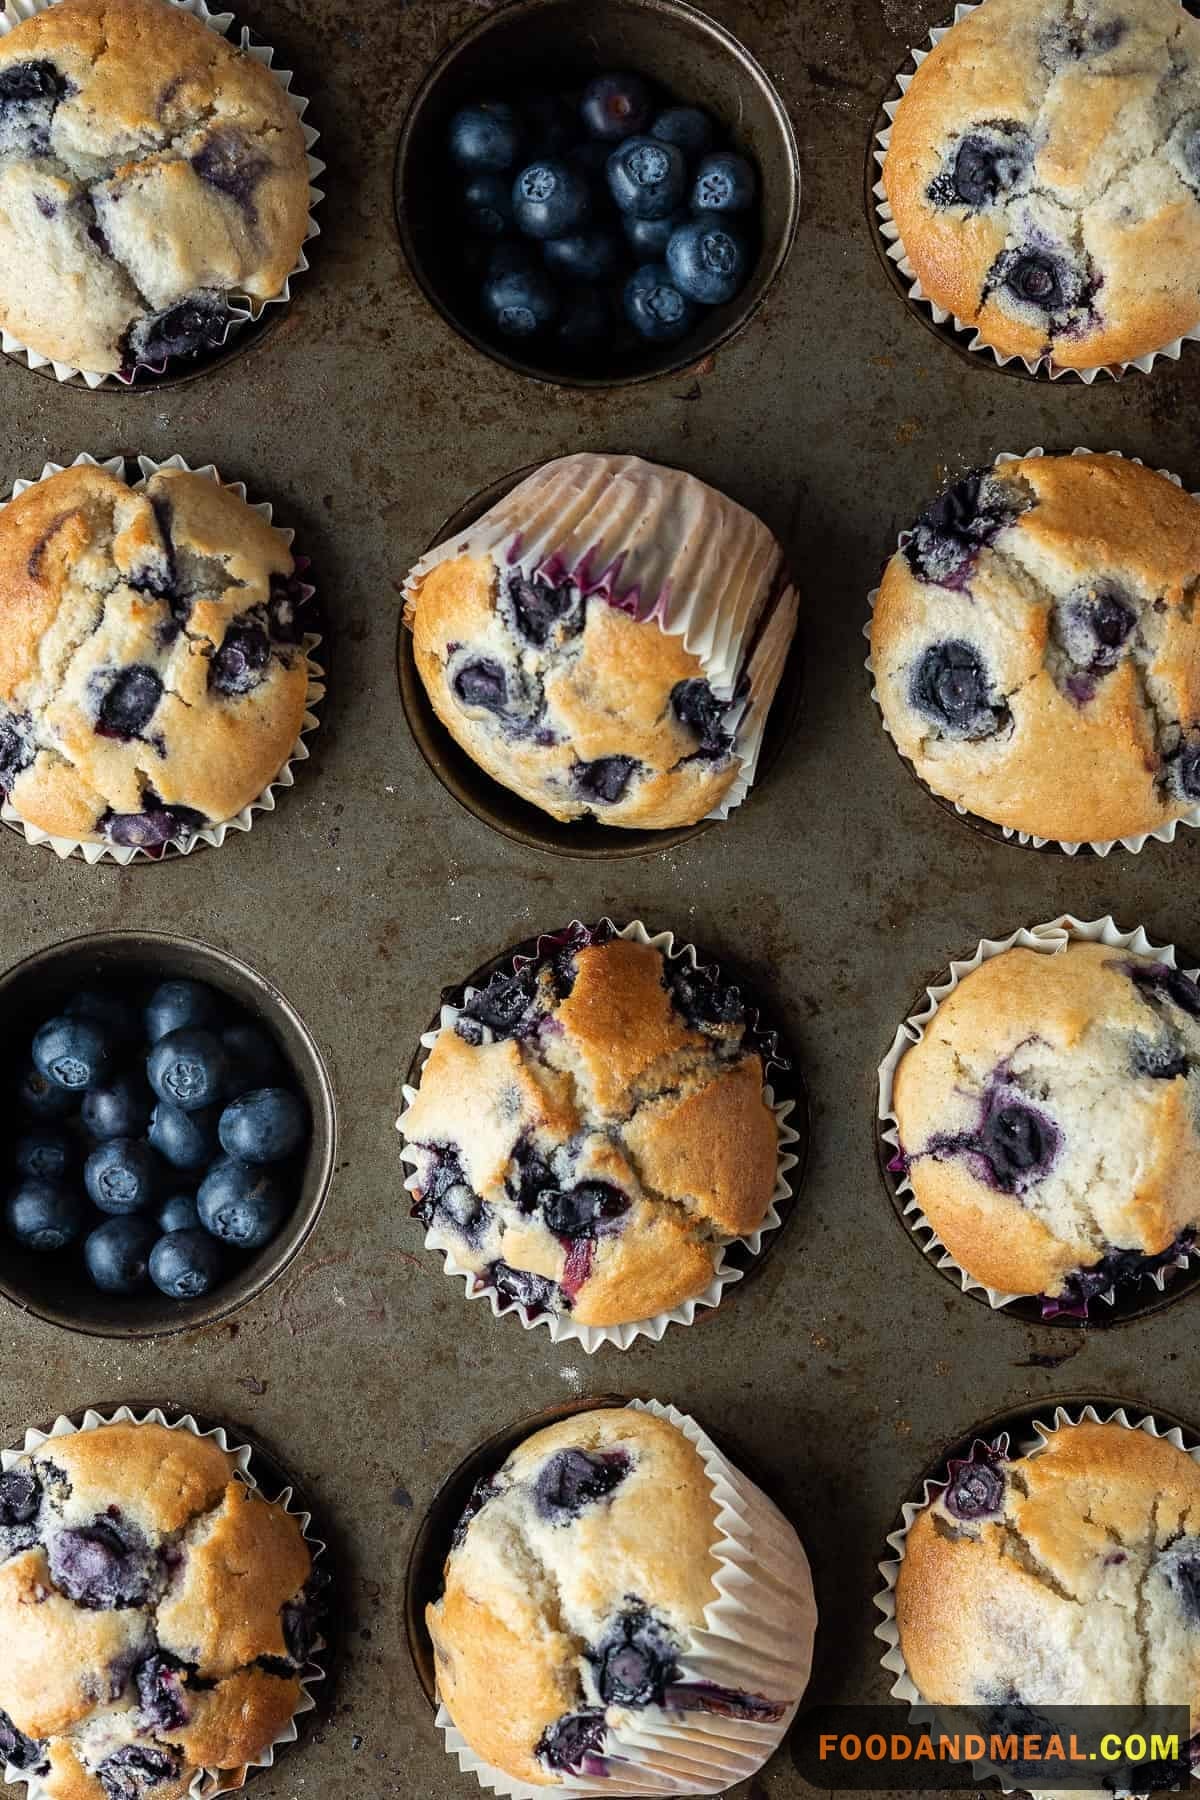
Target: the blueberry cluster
(158, 1138)
(599, 219)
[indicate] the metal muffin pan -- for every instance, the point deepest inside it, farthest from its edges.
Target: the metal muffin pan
(843, 1367)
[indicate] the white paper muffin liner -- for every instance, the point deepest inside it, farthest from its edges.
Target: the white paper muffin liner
(758, 1637)
(244, 308)
(1048, 939)
(1162, 834)
(665, 547)
(904, 1687)
(562, 1327)
(896, 253)
(216, 834)
(206, 1783)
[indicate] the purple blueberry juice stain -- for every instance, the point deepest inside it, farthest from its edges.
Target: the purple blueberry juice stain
(726, 1703)
(1012, 1147)
(1115, 1270)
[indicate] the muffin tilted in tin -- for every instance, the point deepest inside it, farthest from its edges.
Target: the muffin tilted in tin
(152, 673)
(148, 170)
(1036, 648)
(155, 1612)
(606, 641)
(1043, 172)
(1049, 1120)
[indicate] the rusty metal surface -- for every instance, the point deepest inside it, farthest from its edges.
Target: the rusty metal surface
(841, 885)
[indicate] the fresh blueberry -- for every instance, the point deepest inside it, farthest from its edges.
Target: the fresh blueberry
(187, 1140)
(74, 1053)
(533, 1292)
(241, 1205)
(724, 183)
(162, 1696)
(648, 238)
(582, 1211)
(176, 1004)
(40, 1098)
(46, 1153)
(655, 307)
(976, 1487)
(571, 1740)
(518, 298)
(188, 1068)
(238, 664)
(689, 129)
(43, 1215)
(186, 1264)
(551, 198)
(485, 136)
(114, 1011)
(263, 1126)
(15, 1748)
(199, 322)
(117, 1252)
(606, 779)
(119, 1109)
(129, 702)
(487, 204)
(572, 1479)
(708, 260)
(179, 1213)
(135, 1769)
(123, 1176)
(549, 123)
(252, 1057)
(586, 322)
(951, 687)
(542, 607)
(616, 106)
(696, 706)
(591, 157)
(1016, 1140)
(986, 167)
(635, 1662)
(482, 683)
(646, 178)
(589, 255)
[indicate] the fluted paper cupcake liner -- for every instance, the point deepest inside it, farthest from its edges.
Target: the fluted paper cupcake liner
(903, 1686)
(244, 309)
(206, 1783)
(562, 1328)
(1048, 939)
(1162, 834)
(215, 834)
(740, 627)
(896, 253)
(758, 1637)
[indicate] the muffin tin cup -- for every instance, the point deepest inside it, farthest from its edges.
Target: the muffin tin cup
(1027, 1432)
(1150, 1292)
(245, 309)
(762, 649)
(265, 802)
(207, 1782)
(727, 1271)
(960, 333)
(758, 1637)
(1136, 841)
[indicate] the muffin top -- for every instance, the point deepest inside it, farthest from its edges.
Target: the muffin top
(147, 170)
(136, 1650)
(1035, 649)
(1065, 1577)
(152, 679)
(606, 641)
(592, 1130)
(1044, 175)
(579, 1575)
(1048, 1119)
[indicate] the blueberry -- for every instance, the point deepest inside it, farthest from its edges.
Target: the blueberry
(448, 1197)
(40, 1098)
(241, 1205)
(571, 1740)
(162, 1697)
(724, 183)
(188, 1068)
(591, 156)
(20, 1497)
(1180, 1564)
(196, 323)
(616, 106)
(646, 178)
(128, 1773)
(1016, 1140)
(301, 1618)
(582, 1211)
(238, 664)
(485, 136)
(505, 1004)
(635, 1662)
(549, 123)
(550, 198)
(589, 255)
(1042, 280)
(696, 706)
(708, 261)
(482, 683)
(949, 534)
(487, 204)
(485, 1489)
(1153, 979)
(263, 1126)
(541, 607)
(43, 1214)
(122, 1176)
(17, 749)
(156, 826)
(699, 996)
(175, 1004)
(606, 779)
(1184, 771)
(987, 167)
(116, 1254)
(119, 1109)
(1092, 628)
(689, 129)
(185, 1264)
(187, 1140)
(533, 1292)
(1160, 1061)
(950, 685)
(228, 161)
(586, 322)
(655, 307)
(178, 1214)
(74, 1053)
(975, 1489)
(252, 1057)
(15, 1748)
(46, 1153)
(25, 81)
(518, 298)
(648, 238)
(129, 702)
(572, 1479)
(100, 1566)
(114, 1011)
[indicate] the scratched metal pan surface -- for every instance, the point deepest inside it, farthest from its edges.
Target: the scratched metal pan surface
(850, 1362)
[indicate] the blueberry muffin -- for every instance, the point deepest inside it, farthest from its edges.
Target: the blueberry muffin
(592, 1131)
(1035, 649)
(148, 170)
(156, 1614)
(1043, 172)
(606, 641)
(1068, 1576)
(573, 1612)
(152, 675)
(1049, 1120)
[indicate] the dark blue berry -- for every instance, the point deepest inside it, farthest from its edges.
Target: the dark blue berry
(40, 1098)
(636, 1661)
(301, 1619)
(117, 1252)
(238, 664)
(25, 81)
(135, 1769)
(1161, 1062)
(47, 1153)
(505, 1004)
(655, 307)
(616, 106)
(1184, 768)
(949, 534)
(1040, 279)
(162, 1699)
(708, 260)
(1153, 979)
(241, 1205)
(606, 779)
(549, 124)
(74, 1053)
(519, 298)
(20, 1498)
(648, 238)
(540, 607)
(114, 1011)
(582, 1211)
(592, 254)
(178, 1214)
(176, 1004)
(1016, 1140)
(119, 1109)
(187, 1140)
(551, 198)
(253, 1059)
(487, 204)
(485, 136)
(15, 1748)
(100, 1566)
(16, 747)
(188, 1068)
(572, 1479)
(951, 687)
(987, 167)
(448, 1197)
(571, 1740)
(129, 702)
(263, 1126)
(699, 996)
(156, 826)
(44, 1214)
(976, 1488)
(1092, 628)
(196, 323)
(482, 683)
(689, 129)
(185, 1264)
(1180, 1564)
(696, 706)
(725, 183)
(646, 178)
(533, 1292)
(586, 321)
(123, 1176)
(229, 162)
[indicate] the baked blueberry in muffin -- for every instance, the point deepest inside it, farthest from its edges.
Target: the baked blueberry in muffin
(1049, 1121)
(148, 171)
(1035, 648)
(146, 1594)
(606, 641)
(592, 1130)
(1044, 176)
(152, 674)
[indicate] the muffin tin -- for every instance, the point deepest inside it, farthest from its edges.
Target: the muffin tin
(840, 1369)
